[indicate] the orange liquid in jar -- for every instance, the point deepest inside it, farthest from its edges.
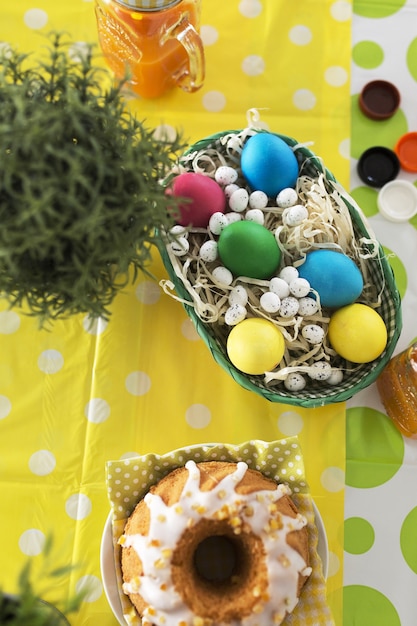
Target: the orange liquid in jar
(397, 387)
(136, 41)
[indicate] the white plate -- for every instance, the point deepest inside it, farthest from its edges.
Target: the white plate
(108, 571)
(108, 566)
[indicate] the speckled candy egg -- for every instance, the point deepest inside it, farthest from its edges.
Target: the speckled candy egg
(286, 198)
(335, 377)
(229, 189)
(299, 287)
(279, 286)
(249, 249)
(334, 275)
(232, 217)
(217, 222)
(239, 200)
(313, 333)
(321, 370)
(235, 314)
(295, 215)
(258, 200)
(289, 307)
(288, 273)
(225, 175)
(208, 251)
(255, 215)
(268, 164)
(270, 302)
(295, 382)
(238, 295)
(180, 246)
(204, 197)
(222, 275)
(178, 231)
(255, 346)
(307, 306)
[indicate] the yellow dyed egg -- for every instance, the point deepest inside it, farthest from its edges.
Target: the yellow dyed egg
(357, 333)
(255, 346)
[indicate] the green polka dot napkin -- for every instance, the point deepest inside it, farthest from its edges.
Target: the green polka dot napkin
(128, 480)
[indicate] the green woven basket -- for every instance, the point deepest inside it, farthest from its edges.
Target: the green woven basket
(315, 393)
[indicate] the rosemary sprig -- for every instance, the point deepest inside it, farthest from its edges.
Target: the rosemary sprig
(27, 607)
(80, 191)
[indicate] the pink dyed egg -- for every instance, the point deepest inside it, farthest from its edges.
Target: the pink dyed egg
(203, 198)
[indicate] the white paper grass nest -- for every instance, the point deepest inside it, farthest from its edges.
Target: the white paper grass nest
(335, 222)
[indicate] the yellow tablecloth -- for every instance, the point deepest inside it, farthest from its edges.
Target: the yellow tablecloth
(74, 397)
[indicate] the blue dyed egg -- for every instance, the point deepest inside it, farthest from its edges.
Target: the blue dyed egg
(268, 164)
(335, 277)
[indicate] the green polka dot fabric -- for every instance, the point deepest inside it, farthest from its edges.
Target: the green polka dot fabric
(380, 530)
(128, 481)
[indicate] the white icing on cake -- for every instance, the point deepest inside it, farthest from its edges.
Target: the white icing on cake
(168, 523)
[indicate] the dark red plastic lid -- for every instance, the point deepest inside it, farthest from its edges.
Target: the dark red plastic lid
(378, 165)
(379, 99)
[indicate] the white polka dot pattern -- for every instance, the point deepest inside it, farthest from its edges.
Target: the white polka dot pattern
(86, 391)
(78, 506)
(32, 541)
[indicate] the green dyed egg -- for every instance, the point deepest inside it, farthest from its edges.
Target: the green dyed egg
(249, 249)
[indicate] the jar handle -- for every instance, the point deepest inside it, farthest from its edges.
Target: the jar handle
(192, 78)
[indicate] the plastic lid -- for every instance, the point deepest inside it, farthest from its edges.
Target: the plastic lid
(406, 149)
(379, 99)
(378, 165)
(397, 200)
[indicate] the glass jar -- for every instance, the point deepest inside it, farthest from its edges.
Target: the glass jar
(397, 388)
(155, 43)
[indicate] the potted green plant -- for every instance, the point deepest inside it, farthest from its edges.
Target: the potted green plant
(80, 190)
(27, 606)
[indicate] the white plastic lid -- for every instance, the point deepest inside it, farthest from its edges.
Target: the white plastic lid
(397, 200)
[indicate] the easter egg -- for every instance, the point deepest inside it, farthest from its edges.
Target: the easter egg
(258, 200)
(208, 251)
(255, 346)
(180, 246)
(287, 197)
(357, 333)
(270, 302)
(295, 215)
(222, 275)
(239, 200)
(295, 382)
(268, 164)
(202, 197)
(238, 295)
(235, 314)
(334, 276)
(279, 286)
(225, 175)
(249, 249)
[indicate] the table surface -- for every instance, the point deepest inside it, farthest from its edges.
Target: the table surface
(76, 396)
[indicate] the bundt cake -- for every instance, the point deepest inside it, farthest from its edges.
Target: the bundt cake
(215, 543)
